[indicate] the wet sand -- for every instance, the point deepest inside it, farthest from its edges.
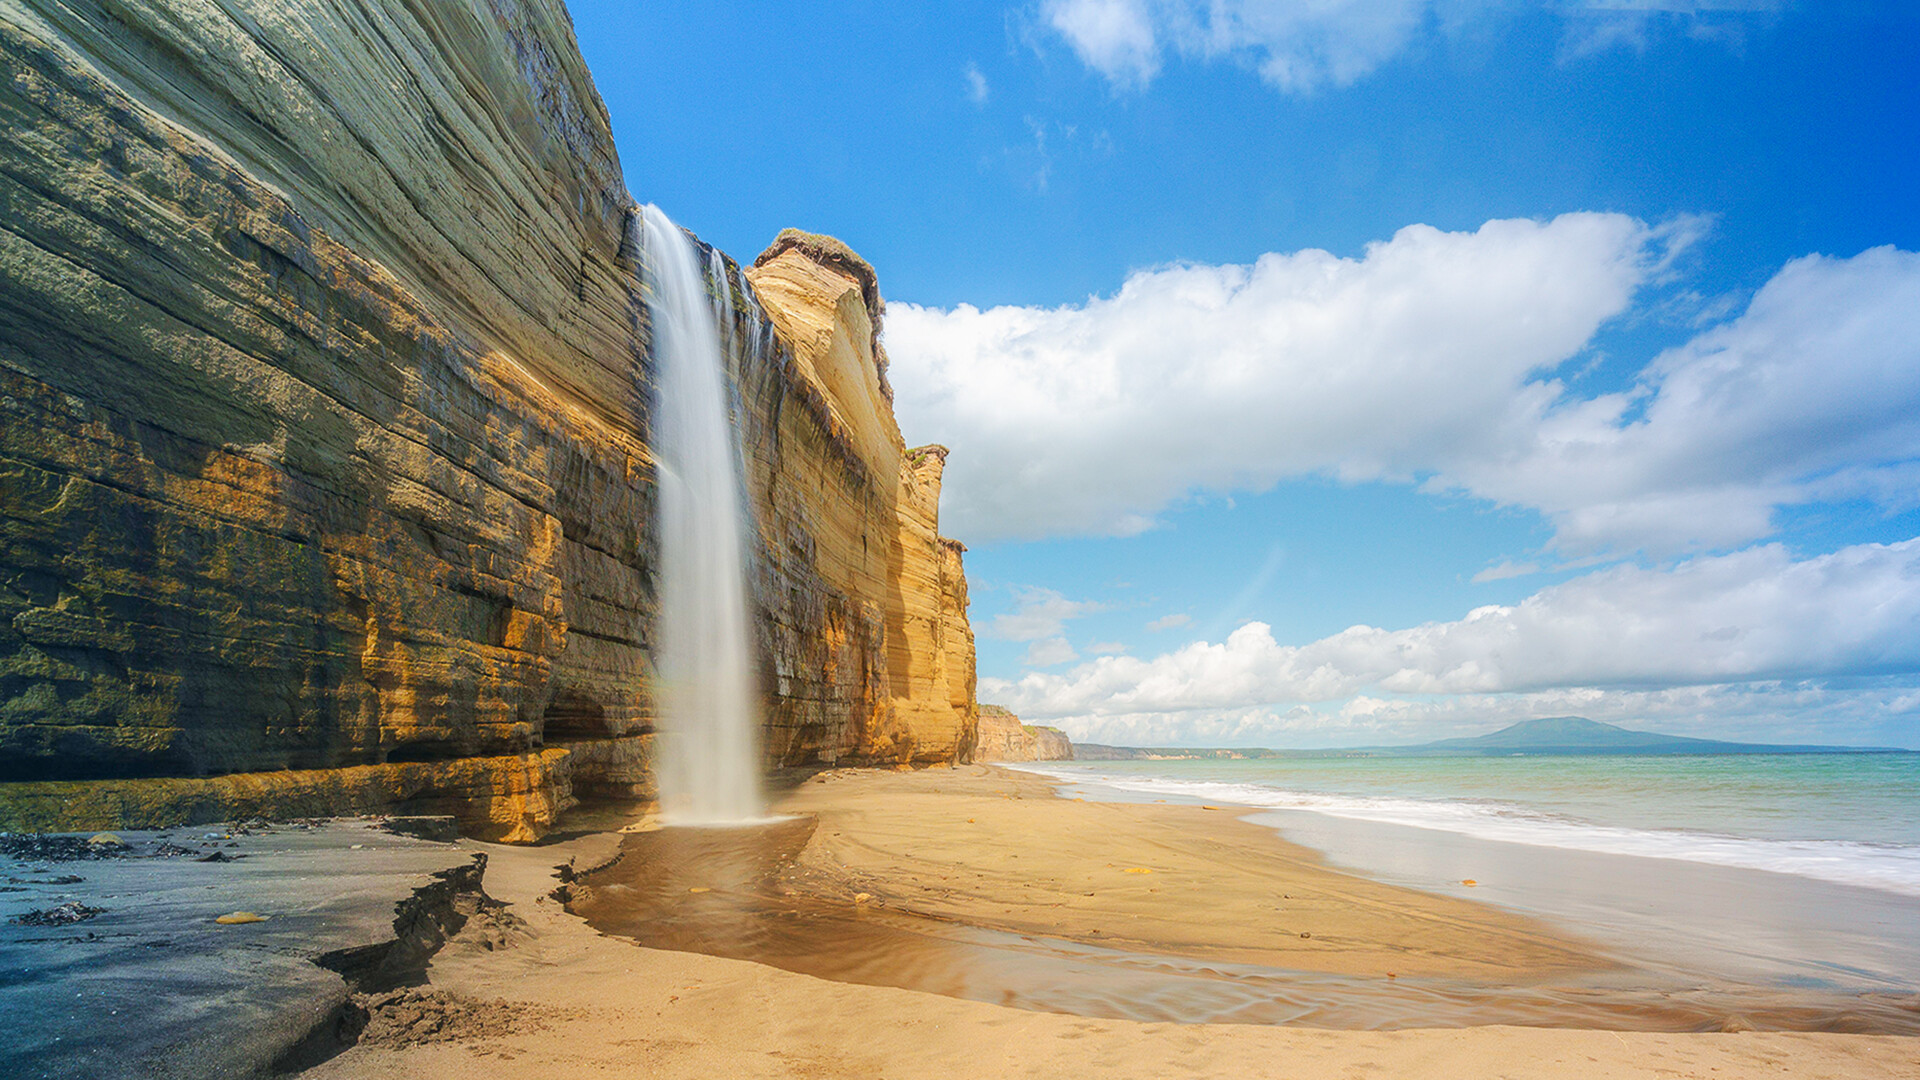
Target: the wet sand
(1688, 920)
(996, 848)
(140, 981)
(1220, 898)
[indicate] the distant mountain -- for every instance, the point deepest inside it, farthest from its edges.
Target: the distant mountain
(1554, 735)
(1579, 735)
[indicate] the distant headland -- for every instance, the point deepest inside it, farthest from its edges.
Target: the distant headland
(1559, 735)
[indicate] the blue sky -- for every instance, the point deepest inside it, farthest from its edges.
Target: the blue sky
(1365, 371)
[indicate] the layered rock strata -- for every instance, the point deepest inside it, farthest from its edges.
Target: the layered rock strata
(1002, 737)
(324, 397)
(886, 557)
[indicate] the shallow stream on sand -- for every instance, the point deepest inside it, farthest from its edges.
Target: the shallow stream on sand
(724, 892)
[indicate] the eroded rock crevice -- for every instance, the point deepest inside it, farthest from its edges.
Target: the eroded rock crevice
(386, 998)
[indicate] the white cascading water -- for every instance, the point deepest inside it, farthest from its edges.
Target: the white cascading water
(708, 764)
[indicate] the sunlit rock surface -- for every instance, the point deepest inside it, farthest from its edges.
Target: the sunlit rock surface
(1004, 738)
(324, 472)
(872, 534)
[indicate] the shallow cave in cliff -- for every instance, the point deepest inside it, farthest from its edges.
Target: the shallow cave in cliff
(424, 750)
(572, 714)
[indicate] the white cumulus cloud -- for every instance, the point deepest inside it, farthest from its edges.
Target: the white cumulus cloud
(1754, 615)
(1037, 613)
(1294, 46)
(1299, 46)
(1049, 651)
(1089, 418)
(1430, 358)
(1114, 37)
(1813, 393)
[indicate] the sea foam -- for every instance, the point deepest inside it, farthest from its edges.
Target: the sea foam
(1888, 867)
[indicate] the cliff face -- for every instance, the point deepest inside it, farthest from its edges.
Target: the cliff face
(1003, 738)
(876, 543)
(324, 392)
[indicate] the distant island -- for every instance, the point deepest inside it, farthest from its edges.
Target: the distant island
(1559, 735)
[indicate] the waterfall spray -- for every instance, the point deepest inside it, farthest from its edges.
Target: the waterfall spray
(708, 764)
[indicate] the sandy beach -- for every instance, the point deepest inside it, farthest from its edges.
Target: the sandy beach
(975, 848)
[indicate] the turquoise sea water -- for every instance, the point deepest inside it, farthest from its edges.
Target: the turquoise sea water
(1851, 819)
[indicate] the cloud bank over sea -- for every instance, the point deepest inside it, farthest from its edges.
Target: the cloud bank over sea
(1619, 635)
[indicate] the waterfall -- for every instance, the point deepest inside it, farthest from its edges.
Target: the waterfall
(708, 762)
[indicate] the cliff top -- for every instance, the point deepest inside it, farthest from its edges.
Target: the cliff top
(832, 252)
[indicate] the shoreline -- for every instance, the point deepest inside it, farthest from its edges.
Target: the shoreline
(573, 1001)
(983, 884)
(1684, 915)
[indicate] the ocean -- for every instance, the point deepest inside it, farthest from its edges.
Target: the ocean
(1789, 870)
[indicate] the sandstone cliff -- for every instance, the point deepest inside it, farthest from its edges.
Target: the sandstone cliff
(324, 393)
(1004, 738)
(824, 303)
